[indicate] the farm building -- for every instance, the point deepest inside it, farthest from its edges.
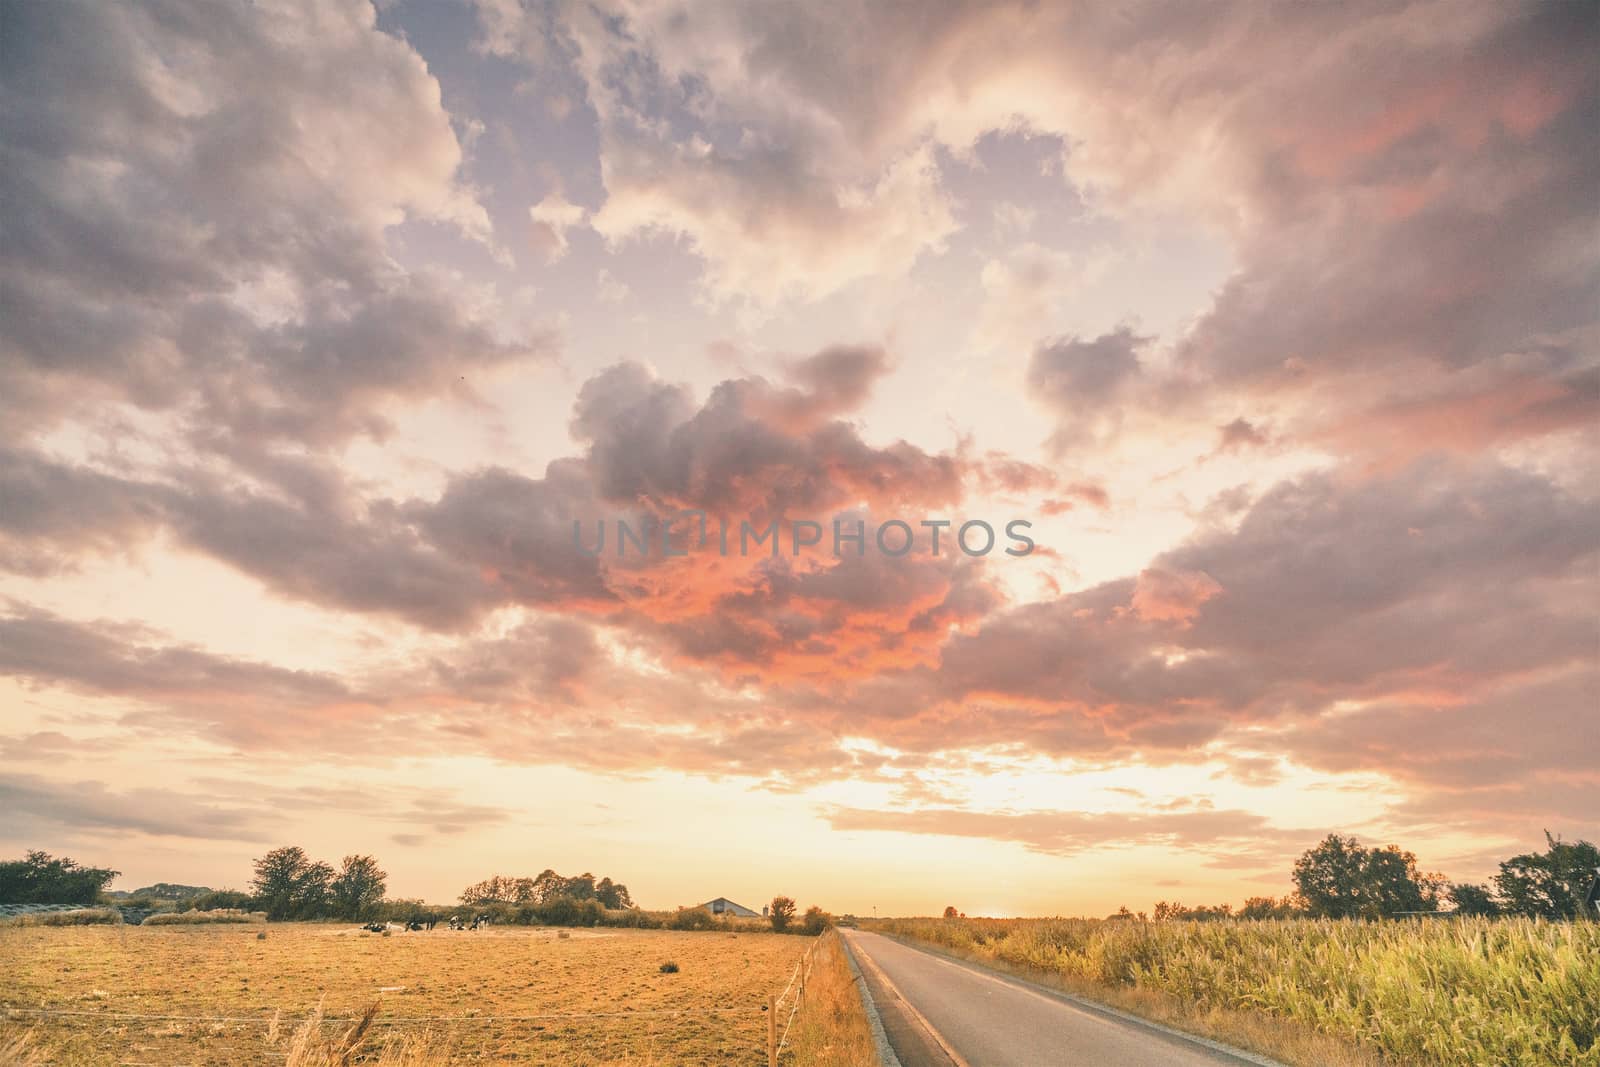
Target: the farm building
(724, 906)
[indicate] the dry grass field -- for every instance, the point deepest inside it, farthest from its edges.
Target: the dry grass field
(539, 996)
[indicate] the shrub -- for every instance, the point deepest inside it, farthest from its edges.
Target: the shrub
(669, 968)
(75, 917)
(195, 918)
(692, 919)
(218, 900)
(815, 922)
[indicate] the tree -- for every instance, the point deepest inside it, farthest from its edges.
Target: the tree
(950, 912)
(1473, 900)
(499, 889)
(313, 890)
(1549, 884)
(276, 876)
(548, 886)
(1339, 879)
(612, 895)
(547, 890)
(1266, 908)
(781, 912)
(289, 885)
(40, 878)
(815, 921)
(358, 888)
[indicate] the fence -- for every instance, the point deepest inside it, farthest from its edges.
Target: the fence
(802, 972)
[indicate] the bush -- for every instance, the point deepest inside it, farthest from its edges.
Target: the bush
(692, 919)
(564, 911)
(199, 918)
(669, 968)
(218, 900)
(75, 917)
(816, 921)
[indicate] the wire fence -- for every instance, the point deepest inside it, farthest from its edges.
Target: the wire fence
(188, 1039)
(801, 973)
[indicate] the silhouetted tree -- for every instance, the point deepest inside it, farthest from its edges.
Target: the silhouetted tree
(358, 888)
(290, 885)
(40, 878)
(950, 911)
(612, 894)
(499, 889)
(1473, 900)
(781, 913)
(1266, 908)
(1339, 879)
(1549, 884)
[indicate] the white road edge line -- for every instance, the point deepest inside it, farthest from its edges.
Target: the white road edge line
(911, 1009)
(1084, 1003)
(880, 1037)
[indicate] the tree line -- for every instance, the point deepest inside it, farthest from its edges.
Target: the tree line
(40, 878)
(1340, 878)
(288, 884)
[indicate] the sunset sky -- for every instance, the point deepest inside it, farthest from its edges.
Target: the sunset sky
(320, 324)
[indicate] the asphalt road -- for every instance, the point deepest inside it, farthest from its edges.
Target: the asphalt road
(938, 1012)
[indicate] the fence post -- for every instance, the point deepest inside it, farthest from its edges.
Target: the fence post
(772, 1031)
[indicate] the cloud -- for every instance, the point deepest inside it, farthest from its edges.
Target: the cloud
(1160, 595)
(1233, 834)
(552, 217)
(196, 202)
(798, 150)
(1338, 623)
(38, 806)
(1086, 384)
(1239, 435)
(224, 810)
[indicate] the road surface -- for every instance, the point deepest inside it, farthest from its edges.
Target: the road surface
(938, 1012)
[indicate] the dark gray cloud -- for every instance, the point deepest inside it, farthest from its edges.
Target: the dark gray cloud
(123, 659)
(1433, 601)
(223, 810)
(1086, 383)
(648, 441)
(194, 204)
(48, 808)
(51, 513)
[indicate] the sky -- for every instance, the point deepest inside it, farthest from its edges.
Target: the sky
(322, 324)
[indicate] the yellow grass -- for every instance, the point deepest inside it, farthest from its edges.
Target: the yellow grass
(599, 995)
(830, 1027)
(193, 918)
